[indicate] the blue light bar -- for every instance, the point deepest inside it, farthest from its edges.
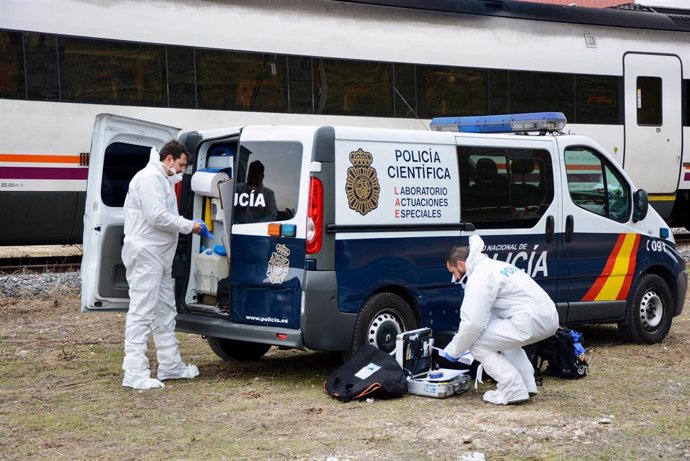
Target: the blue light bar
(509, 123)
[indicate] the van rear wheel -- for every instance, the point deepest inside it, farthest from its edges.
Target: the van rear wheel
(383, 316)
(241, 351)
(648, 318)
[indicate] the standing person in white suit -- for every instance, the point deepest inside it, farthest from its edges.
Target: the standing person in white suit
(503, 310)
(152, 226)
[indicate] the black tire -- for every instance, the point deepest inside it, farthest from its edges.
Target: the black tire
(382, 317)
(650, 311)
(241, 351)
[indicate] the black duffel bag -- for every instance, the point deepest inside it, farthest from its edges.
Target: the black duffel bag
(369, 373)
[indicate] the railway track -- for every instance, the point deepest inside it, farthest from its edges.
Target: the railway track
(40, 264)
(682, 238)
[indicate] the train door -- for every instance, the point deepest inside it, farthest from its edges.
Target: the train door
(653, 123)
(120, 147)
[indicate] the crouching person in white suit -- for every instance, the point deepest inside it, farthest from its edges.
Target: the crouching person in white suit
(503, 310)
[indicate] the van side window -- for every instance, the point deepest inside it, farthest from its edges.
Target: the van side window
(595, 185)
(504, 188)
(268, 179)
(120, 163)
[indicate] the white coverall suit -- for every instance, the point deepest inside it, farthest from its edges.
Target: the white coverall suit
(503, 310)
(152, 225)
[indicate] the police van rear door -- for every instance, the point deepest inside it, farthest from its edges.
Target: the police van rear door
(120, 146)
(269, 226)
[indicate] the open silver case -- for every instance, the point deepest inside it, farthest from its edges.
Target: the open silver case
(413, 352)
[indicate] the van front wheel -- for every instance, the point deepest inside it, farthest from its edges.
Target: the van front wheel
(648, 318)
(383, 316)
(241, 351)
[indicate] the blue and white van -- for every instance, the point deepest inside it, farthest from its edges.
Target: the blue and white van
(344, 242)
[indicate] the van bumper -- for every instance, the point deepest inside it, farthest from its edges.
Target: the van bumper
(223, 328)
(681, 290)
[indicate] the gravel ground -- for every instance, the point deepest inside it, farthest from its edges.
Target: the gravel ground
(39, 284)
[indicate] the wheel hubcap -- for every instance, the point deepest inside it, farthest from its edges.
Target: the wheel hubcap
(383, 331)
(651, 310)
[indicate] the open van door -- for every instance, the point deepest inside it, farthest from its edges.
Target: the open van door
(120, 147)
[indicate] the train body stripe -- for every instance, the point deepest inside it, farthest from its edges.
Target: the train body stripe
(43, 173)
(615, 279)
(39, 158)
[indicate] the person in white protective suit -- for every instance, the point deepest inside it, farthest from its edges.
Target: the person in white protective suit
(152, 226)
(503, 310)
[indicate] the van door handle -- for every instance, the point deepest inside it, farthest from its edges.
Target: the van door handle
(550, 224)
(569, 228)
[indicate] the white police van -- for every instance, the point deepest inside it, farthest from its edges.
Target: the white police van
(341, 238)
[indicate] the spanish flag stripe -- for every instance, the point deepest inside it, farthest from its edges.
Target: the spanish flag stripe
(616, 278)
(601, 280)
(625, 289)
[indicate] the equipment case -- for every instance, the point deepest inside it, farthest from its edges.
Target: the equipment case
(413, 352)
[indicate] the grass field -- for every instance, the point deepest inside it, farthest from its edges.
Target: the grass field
(61, 398)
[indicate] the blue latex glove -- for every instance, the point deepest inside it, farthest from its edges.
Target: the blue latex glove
(204, 230)
(446, 355)
(579, 349)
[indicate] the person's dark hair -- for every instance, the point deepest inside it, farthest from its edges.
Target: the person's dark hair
(174, 148)
(256, 167)
(457, 253)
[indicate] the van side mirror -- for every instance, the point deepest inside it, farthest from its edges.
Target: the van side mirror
(640, 205)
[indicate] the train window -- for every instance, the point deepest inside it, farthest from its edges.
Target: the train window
(597, 99)
(103, 71)
(301, 101)
(595, 185)
(649, 101)
(353, 87)
(504, 188)
(41, 66)
(121, 162)
(542, 92)
(405, 100)
(110, 72)
(241, 81)
(11, 66)
(181, 77)
(499, 98)
(451, 91)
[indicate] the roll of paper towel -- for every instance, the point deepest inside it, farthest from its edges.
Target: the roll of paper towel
(205, 181)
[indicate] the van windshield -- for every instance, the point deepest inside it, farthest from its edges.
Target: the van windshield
(268, 175)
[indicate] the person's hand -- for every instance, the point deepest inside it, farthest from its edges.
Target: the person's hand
(203, 230)
(196, 227)
(442, 353)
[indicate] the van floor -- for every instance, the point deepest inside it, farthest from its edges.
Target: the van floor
(209, 309)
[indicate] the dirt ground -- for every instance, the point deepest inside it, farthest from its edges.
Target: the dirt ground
(61, 398)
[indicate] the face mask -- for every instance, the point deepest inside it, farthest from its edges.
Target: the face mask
(174, 179)
(463, 281)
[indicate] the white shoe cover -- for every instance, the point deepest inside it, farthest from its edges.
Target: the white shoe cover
(181, 371)
(497, 398)
(141, 381)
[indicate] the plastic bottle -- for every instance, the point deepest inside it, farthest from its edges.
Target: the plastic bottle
(211, 266)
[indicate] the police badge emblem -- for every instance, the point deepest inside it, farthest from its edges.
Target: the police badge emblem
(279, 264)
(362, 185)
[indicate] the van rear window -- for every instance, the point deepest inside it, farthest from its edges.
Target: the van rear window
(268, 176)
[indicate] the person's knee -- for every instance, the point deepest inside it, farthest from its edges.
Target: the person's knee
(481, 352)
